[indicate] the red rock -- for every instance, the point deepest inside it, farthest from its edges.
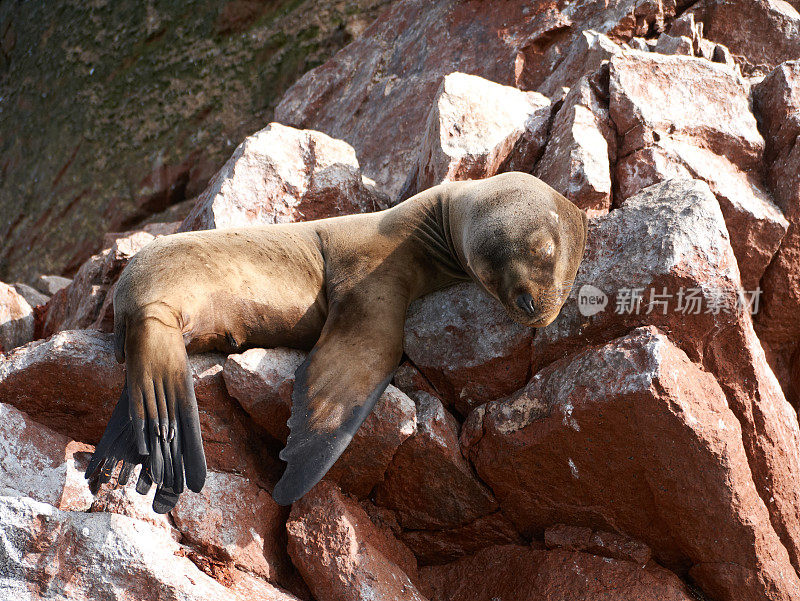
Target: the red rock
(386, 80)
(756, 226)
(233, 518)
(80, 556)
(472, 128)
(429, 485)
(279, 175)
(442, 546)
(581, 147)
(517, 572)
(650, 96)
(605, 544)
(16, 319)
(668, 44)
(39, 463)
(760, 33)
(675, 473)
(465, 344)
(777, 101)
(69, 382)
(693, 253)
(585, 55)
(86, 302)
(342, 555)
(262, 381)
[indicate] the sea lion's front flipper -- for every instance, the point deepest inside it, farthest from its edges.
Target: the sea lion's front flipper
(155, 422)
(337, 386)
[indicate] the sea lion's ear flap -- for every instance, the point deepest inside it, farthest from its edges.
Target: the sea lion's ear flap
(336, 388)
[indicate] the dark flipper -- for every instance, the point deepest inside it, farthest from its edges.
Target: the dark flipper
(337, 387)
(155, 423)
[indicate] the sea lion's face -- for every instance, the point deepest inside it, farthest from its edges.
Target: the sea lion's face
(526, 255)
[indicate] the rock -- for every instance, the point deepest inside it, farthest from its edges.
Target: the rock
(443, 546)
(33, 297)
(761, 34)
(365, 461)
(777, 101)
(429, 485)
(756, 226)
(69, 382)
(386, 80)
(675, 472)
(86, 302)
(234, 519)
(649, 96)
(342, 555)
(690, 285)
(262, 381)
(39, 463)
(668, 44)
(585, 55)
(581, 146)
(70, 555)
(166, 95)
(50, 284)
(660, 144)
(279, 175)
(605, 544)
(16, 319)
(518, 572)
(465, 344)
(472, 128)
(232, 442)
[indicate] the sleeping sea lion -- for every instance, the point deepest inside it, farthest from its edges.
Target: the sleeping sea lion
(339, 287)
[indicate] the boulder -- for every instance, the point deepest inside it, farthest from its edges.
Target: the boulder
(761, 34)
(472, 128)
(39, 463)
(281, 174)
(675, 473)
(262, 381)
(86, 302)
(50, 284)
(16, 319)
(519, 572)
(69, 382)
(342, 555)
(649, 98)
(433, 547)
(74, 556)
(235, 520)
(465, 344)
(429, 485)
(585, 55)
(777, 102)
(31, 294)
(582, 145)
(687, 284)
(668, 44)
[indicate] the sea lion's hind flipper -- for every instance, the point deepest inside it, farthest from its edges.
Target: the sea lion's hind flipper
(337, 386)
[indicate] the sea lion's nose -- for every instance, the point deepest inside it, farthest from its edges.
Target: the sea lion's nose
(525, 302)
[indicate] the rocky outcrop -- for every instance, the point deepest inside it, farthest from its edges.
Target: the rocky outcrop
(16, 319)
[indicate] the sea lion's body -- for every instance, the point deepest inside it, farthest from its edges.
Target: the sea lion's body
(338, 286)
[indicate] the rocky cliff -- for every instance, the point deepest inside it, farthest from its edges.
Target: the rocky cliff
(643, 446)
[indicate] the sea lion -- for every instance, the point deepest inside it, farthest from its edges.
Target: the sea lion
(339, 287)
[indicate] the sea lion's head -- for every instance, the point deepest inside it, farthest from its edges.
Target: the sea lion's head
(523, 245)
